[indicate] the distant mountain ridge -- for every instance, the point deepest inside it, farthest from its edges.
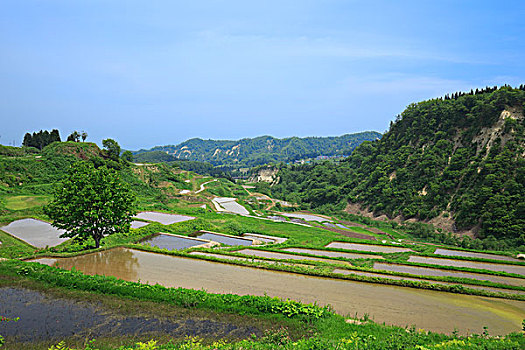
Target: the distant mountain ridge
(261, 150)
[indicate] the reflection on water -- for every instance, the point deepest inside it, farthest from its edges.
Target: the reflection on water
(233, 241)
(274, 255)
(431, 310)
(171, 242)
(520, 270)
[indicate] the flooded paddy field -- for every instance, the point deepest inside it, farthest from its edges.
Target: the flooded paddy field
(35, 232)
(232, 257)
(138, 224)
(430, 310)
(265, 238)
(451, 252)
(45, 317)
(428, 271)
(306, 217)
(173, 242)
(163, 218)
(368, 247)
(333, 254)
(231, 205)
(226, 239)
(517, 269)
(275, 255)
(393, 277)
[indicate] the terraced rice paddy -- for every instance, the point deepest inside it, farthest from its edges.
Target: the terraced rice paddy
(451, 252)
(428, 271)
(163, 218)
(368, 247)
(232, 257)
(265, 238)
(275, 255)
(430, 310)
(333, 254)
(307, 217)
(520, 270)
(173, 242)
(35, 232)
(393, 277)
(138, 224)
(231, 205)
(226, 239)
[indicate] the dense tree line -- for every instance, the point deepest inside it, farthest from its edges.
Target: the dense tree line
(457, 157)
(41, 139)
(260, 150)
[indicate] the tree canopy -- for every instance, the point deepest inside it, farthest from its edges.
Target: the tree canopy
(91, 203)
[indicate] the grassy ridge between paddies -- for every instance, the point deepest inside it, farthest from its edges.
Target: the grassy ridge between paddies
(326, 330)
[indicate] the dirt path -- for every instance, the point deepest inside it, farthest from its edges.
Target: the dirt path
(202, 186)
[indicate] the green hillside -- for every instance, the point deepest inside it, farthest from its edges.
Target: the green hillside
(257, 151)
(457, 162)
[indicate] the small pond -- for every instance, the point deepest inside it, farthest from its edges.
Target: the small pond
(225, 239)
(35, 232)
(368, 247)
(163, 218)
(173, 242)
(450, 252)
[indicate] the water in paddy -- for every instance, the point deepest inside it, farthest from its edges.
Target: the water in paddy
(171, 242)
(138, 224)
(333, 254)
(232, 257)
(428, 271)
(35, 232)
(520, 270)
(274, 255)
(307, 217)
(392, 277)
(368, 247)
(430, 310)
(473, 255)
(46, 317)
(233, 241)
(163, 218)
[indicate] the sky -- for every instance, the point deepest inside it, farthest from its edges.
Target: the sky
(149, 73)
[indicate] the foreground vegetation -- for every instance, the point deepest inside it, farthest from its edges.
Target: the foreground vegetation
(321, 329)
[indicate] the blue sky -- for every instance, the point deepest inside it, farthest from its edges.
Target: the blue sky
(151, 73)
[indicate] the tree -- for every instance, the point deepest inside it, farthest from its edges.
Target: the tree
(84, 136)
(127, 156)
(91, 203)
(112, 149)
(74, 136)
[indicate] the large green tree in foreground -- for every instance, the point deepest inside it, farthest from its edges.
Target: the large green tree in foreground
(91, 203)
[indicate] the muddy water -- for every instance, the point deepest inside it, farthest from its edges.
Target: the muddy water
(231, 257)
(233, 241)
(371, 274)
(430, 310)
(427, 271)
(46, 317)
(450, 252)
(274, 255)
(520, 270)
(368, 247)
(333, 254)
(171, 242)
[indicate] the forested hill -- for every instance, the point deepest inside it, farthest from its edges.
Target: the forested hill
(263, 149)
(456, 161)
